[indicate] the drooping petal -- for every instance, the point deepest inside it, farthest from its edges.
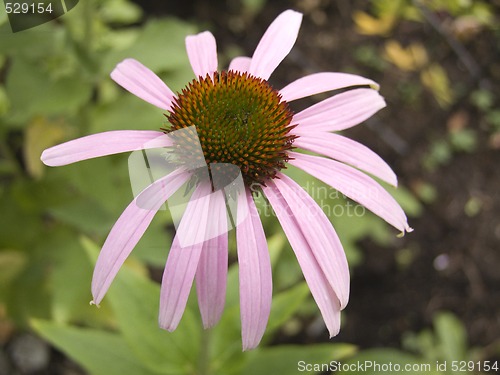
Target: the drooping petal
(211, 275)
(321, 289)
(102, 144)
(129, 229)
(240, 64)
(182, 261)
(347, 151)
(321, 82)
(143, 83)
(176, 283)
(355, 185)
(319, 234)
(202, 53)
(254, 272)
(275, 44)
(340, 112)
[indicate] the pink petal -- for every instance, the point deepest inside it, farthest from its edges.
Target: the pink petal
(347, 151)
(319, 234)
(102, 144)
(340, 112)
(275, 44)
(240, 64)
(183, 261)
(321, 289)
(320, 82)
(143, 83)
(255, 272)
(211, 275)
(129, 229)
(202, 53)
(355, 185)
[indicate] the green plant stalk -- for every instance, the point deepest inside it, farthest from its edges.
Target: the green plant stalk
(204, 359)
(9, 155)
(88, 13)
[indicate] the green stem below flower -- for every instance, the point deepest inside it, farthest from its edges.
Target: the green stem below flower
(204, 359)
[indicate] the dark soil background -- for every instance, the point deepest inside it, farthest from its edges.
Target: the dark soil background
(456, 257)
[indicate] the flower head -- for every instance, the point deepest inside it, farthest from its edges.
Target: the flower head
(232, 126)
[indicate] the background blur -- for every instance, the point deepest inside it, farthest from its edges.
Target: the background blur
(430, 296)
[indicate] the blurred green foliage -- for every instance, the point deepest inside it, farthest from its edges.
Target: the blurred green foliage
(56, 87)
(464, 20)
(445, 345)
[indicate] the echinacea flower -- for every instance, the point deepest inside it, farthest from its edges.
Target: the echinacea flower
(236, 118)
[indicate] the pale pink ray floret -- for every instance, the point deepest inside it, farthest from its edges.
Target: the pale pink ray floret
(314, 241)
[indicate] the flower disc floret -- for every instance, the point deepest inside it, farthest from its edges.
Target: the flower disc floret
(240, 119)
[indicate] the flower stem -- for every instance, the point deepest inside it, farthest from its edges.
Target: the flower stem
(204, 359)
(10, 157)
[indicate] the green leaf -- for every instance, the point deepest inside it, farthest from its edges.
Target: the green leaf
(285, 304)
(276, 244)
(406, 199)
(12, 262)
(226, 354)
(160, 46)
(103, 181)
(452, 337)
(253, 6)
(71, 279)
(127, 112)
(22, 214)
(135, 302)
(151, 249)
(4, 101)
(85, 215)
(3, 15)
(33, 43)
(28, 294)
(120, 11)
(464, 140)
(39, 135)
(32, 92)
(289, 359)
(435, 78)
(99, 352)
(482, 99)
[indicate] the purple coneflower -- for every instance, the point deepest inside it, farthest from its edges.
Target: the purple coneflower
(241, 120)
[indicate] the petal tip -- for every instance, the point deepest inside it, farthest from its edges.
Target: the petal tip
(121, 64)
(205, 33)
(392, 179)
(45, 158)
(248, 346)
(407, 229)
(333, 333)
(167, 326)
(293, 13)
